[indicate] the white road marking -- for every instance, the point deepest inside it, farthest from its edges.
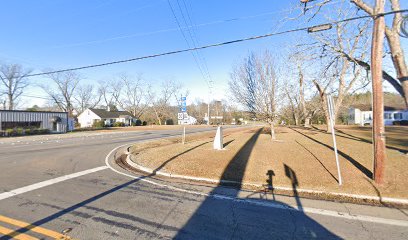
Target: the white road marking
(46, 183)
(323, 212)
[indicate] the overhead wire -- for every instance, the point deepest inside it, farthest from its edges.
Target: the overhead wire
(212, 45)
(195, 42)
(198, 43)
(188, 43)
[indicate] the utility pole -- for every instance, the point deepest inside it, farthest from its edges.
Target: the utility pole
(378, 99)
(208, 110)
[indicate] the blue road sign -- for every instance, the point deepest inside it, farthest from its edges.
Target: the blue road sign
(183, 98)
(184, 109)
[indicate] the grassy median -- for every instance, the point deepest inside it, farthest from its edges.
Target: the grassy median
(300, 158)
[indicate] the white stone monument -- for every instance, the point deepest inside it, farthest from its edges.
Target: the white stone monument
(218, 143)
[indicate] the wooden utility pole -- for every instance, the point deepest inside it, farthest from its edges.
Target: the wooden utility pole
(378, 99)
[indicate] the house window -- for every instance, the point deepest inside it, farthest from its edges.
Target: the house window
(397, 116)
(387, 116)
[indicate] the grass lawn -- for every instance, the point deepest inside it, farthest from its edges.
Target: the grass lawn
(301, 158)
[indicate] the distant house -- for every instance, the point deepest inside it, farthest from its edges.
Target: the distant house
(363, 115)
(91, 115)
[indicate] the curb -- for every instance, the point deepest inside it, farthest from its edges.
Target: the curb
(400, 201)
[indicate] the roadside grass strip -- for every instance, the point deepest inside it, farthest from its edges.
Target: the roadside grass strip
(23, 226)
(323, 212)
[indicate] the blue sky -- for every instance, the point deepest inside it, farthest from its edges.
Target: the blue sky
(50, 34)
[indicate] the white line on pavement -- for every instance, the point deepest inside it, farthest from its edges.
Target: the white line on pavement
(323, 212)
(48, 182)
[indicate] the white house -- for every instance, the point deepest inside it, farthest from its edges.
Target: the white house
(91, 115)
(363, 115)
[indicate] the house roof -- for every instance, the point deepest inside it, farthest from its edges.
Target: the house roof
(367, 107)
(102, 113)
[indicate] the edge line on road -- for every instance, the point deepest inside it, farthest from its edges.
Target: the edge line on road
(323, 212)
(49, 182)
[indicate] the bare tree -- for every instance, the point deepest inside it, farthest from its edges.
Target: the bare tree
(302, 110)
(393, 40)
(253, 83)
(62, 91)
(105, 92)
(13, 81)
(130, 93)
(85, 97)
(339, 75)
(161, 100)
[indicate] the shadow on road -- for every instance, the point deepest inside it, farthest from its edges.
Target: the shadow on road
(217, 218)
(227, 219)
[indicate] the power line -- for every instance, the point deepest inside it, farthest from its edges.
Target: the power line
(197, 41)
(32, 96)
(211, 45)
(170, 29)
(194, 40)
(188, 43)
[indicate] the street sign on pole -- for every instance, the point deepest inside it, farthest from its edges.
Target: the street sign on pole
(330, 108)
(180, 116)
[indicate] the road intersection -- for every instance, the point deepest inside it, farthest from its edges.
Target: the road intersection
(73, 184)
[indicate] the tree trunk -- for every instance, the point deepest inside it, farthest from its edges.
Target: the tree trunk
(328, 130)
(307, 122)
(323, 99)
(11, 103)
(398, 60)
(273, 137)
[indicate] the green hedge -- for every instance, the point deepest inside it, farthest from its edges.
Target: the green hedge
(11, 132)
(118, 124)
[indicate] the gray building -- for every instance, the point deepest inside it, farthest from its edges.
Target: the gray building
(56, 122)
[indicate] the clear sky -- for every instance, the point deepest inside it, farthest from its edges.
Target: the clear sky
(50, 34)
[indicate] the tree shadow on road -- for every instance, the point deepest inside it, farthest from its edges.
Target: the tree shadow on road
(222, 218)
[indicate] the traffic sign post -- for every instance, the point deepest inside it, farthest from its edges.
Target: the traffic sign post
(330, 107)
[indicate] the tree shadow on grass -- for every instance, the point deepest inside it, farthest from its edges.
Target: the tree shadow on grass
(358, 165)
(355, 138)
(176, 156)
(236, 219)
(327, 170)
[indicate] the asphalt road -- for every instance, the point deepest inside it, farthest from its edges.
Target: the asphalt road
(71, 183)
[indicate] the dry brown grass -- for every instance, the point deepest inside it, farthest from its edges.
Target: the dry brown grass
(307, 152)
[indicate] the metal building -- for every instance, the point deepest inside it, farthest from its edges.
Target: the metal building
(56, 122)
